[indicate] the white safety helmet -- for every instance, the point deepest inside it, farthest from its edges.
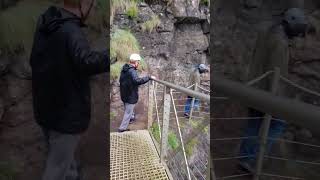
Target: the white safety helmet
(203, 68)
(135, 57)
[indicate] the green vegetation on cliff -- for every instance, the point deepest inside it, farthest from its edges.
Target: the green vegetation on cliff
(151, 24)
(172, 138)
(123, 43)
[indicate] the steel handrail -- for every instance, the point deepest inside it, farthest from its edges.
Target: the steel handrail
(300, 113)
(187, 91)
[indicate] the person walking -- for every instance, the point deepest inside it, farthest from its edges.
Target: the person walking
(62, 63)
(129, 89)
(195, 79)
(272, 50)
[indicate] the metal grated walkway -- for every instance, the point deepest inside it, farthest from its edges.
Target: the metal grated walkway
(134, 156)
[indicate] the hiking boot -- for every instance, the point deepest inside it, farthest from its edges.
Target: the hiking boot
(186, 115)
(246, 166)
(120, 131)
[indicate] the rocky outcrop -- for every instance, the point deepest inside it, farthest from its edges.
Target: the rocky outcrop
(185, 8)
(170, 50)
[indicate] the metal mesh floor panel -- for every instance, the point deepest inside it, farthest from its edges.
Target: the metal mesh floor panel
(133, 156)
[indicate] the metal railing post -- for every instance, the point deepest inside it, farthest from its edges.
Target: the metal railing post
(165, 126)
(157, 111)
(150, 104)
(192, 103)
(208, 167)
(212, 174)
(265, 127)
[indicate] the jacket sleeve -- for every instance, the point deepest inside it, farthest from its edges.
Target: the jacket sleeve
(87, 61)
(137, 80)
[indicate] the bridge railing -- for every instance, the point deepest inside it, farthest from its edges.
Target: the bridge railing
(175, 134)
(299, 113)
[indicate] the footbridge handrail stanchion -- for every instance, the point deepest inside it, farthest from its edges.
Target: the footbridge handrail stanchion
(165, 126)
(265, 127)
(150, 104)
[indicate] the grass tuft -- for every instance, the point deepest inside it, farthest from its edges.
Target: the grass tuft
(132, 10)
(173, 141)
(123, 43)
(190, 146)
(172, 138)
(124, 5)
(195, 123)
(150, 25)
(115, 70)
(155, 131)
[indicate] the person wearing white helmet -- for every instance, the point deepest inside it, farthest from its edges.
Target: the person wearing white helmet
(129, 86)
(195, 78)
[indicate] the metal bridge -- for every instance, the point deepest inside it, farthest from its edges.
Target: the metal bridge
(290, 110)
(163, 150)
(153, 153)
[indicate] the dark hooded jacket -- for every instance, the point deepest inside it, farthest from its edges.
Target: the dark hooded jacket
(62, 62)
(129, 84)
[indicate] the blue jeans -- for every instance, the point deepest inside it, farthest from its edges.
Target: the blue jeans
(250, 147)
(188, 104)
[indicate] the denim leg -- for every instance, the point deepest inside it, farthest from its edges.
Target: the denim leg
(249, 147)
(187, 105)
(196, 104)
(275, 131)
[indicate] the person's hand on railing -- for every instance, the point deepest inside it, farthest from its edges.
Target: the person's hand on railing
(153, 77)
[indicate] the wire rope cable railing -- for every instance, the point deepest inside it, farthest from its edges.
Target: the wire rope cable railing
(176, 93)
(237, 97)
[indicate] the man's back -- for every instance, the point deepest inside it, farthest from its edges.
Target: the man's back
(271, 51)
(129, 84)
(62, 62)
(194, 76)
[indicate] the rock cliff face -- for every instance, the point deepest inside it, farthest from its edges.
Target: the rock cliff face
(235, 29)
(179, 42)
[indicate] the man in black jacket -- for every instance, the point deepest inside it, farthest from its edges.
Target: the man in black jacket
(62, 63)
(129, 86)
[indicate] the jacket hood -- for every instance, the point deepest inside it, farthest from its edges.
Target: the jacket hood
(126, 67)
(54, 17)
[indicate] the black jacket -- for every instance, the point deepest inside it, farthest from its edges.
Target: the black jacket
(129, 84)
(62, 62)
